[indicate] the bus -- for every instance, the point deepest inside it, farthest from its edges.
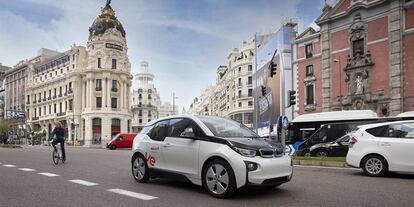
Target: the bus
(306, 130)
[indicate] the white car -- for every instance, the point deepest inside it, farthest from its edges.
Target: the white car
(383, 147)
(218, 153)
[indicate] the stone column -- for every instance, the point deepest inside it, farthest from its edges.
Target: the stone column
(121, 95)
(395, 21)
(108, 101)
(83, 95)
(104, 85)
(326, 70)
(91, 96)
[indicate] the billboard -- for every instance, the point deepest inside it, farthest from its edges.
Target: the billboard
(274, 47)
(15, 114)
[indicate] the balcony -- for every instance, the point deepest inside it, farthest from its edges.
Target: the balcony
(54, 97)
(249, 84)
(239, 85)
(70, 91)
(148, 106)
(98, 89)
(61, 114)
(114, 89)
(35, 118)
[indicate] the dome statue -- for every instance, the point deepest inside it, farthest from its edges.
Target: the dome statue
(106, 20)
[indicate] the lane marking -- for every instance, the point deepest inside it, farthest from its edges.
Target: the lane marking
(83, 182)
(324, 167)
(9, 165)
(48, 174)
(27, 169)
(132, 194)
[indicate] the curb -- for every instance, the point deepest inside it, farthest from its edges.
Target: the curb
(320, 163)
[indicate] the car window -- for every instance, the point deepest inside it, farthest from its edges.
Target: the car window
(381, 131)
(344, 139)
(146, 129)
(403, 130)
(160, 131)
(183, 128)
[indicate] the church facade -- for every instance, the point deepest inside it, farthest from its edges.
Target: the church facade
(361, 58)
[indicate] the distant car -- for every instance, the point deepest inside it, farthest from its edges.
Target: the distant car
(220, 154)
(121, 140)
(379, 148)
(337, 148)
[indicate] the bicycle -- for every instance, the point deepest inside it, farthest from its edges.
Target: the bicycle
(57, 153)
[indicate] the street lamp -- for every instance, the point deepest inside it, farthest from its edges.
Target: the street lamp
(340, 79)
(174, 97)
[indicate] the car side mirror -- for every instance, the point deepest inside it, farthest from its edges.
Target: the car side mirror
(188, 134)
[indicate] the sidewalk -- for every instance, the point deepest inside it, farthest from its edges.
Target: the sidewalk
(320, 163)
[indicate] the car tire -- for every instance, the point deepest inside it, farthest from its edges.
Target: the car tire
(321, 153)
(219, 179)
(375, 166)
(140, 170)
(305, 153)
(112, 147)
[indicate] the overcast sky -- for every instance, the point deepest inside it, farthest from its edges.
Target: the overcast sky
(184, 41)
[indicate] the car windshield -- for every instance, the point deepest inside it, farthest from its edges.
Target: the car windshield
(222, 127)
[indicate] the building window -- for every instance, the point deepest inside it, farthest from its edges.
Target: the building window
(240, 104)
(99, 62)
(60, 107)
(50, 109)
(250, 103)
(249, 67)
(140, 121)
(54, 108)
(309, 50)
(250, 92)
(240, 94)
(98, 85)
(35, 114)
(249, 80)
(309, 70)
(70, 104)
(113, 63)
(98, 102)
(114, 103)
(140, 113)
(149, 96)
(358, 47)
(310, 95)
(114, 85)
(40, 111)
(239, 69)
(70, 85)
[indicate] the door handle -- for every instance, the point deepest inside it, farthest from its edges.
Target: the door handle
(385, 144)
(167, 145)
(155, 148)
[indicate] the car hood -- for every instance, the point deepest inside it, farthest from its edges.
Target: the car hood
(254, 143)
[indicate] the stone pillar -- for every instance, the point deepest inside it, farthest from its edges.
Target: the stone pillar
(121, 92)
(83, 95)
(104, 85)
(88, 131)
(326, 71)
(395, 21)
(91, 96)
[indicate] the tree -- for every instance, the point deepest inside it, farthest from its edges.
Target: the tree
(4, 126)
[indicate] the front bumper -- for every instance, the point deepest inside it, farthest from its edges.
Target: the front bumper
(270, 171)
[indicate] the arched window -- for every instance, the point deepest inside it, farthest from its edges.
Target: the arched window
(96, 131)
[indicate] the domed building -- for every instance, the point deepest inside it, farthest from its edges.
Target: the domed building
(87, 88)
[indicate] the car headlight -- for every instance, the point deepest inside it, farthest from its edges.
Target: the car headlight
(246, 152)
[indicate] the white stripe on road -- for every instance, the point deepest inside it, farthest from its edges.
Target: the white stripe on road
(48, 174)
(27, 169)
(83, 182)
(323, 167)
(9, 165)
(132, 194)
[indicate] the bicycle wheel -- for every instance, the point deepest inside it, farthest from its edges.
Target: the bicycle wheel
(55, 157)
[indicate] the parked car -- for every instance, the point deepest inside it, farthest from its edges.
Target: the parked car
(379, 148)
(220, 154)
(338, 148)
(121, 140)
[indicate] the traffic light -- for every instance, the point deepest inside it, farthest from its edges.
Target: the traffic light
(264, 90)
(272, 68)
(292, 98)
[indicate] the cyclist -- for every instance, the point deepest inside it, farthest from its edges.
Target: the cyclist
(58, 135)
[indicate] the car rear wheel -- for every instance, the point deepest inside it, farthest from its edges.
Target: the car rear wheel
(375, 166)
(112, 147)
(218, 179)
(140, 169)
(322, 153)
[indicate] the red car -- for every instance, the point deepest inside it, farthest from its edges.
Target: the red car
(121, 140)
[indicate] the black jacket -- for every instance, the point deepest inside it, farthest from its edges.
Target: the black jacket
(59, 132)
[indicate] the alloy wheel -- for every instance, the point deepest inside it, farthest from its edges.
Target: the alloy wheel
(374, 166)
(138, 168)
(217, 179)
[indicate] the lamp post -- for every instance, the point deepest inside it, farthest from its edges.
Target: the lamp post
(174, 97)
(340, 78)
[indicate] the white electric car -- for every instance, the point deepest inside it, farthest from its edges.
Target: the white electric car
(383, 147)
(218, 153)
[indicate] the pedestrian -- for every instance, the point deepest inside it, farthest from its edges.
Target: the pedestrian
(58, 136)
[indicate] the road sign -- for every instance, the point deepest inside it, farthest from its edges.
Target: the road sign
(285, 122)
(289, 149)
(15, 114)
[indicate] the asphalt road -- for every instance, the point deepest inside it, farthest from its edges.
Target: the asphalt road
(95, 177)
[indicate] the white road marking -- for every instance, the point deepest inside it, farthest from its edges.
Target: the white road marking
(132, 194)
(9, 165)
(83, 182)
(324, 167)
(48, 174)
(27, 169)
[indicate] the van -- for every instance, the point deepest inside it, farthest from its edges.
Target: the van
(328, 133)
(121, 140)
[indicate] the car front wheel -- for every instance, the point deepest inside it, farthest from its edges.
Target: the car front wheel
(375, 166)
(321, 153)
(218, 179)
(140, 169)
